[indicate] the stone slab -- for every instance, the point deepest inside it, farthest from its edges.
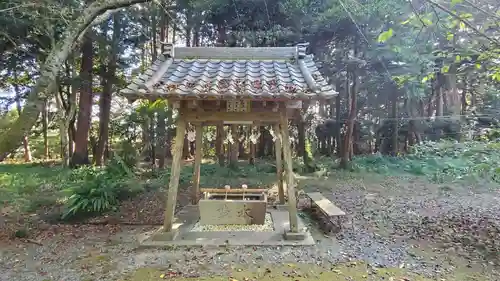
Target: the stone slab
(294, 236)
(189, 215)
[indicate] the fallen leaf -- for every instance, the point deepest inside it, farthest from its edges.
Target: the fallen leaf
(162, 276)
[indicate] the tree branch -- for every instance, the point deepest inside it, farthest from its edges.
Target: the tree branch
(466, 22)
(59, 53)
(17, 7)
(416, 14)
(482, 10)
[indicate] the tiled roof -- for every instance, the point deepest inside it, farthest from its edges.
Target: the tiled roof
(228, 72)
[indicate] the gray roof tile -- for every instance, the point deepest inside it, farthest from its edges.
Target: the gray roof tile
(262, 73)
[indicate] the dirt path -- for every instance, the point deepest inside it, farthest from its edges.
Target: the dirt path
(399, 229)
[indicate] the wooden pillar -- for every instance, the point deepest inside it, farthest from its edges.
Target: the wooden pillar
(279, 162)
(174, 174)
(197, 164)
(290, 185)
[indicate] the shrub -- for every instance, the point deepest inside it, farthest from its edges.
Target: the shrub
(90, 197)
(97, 190)
(442, 161)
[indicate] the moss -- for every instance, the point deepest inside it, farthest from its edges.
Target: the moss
(355, 271)
(350, 271)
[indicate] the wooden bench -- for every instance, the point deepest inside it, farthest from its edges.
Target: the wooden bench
(324, 205)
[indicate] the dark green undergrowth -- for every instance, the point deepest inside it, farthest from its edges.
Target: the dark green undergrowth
(440, 162)
(89, 190)
(213, 175)
(96, 190)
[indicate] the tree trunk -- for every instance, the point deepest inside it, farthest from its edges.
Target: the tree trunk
(412, 131)
(301, 149)
(196, 35)
(261, 144)
(189, 28)
(394, 117)
(338, 137)
(233, 159)
(152, 129)
(463, 110)
(439, 95)
(221, 35)
(473, 98)
(45, 128)
(421, 108)
(63, 132)
(439, 103)
(302, 135)
(154, 32)
(71, 111)
(347, 143)
(241, 142)
(162, 115)
(26, 146)
(186, 149)
(252, 145)
(9, 140)
(219, 144)
(80, 156)
(105, 100)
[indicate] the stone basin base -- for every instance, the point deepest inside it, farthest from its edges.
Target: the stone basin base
(233, 208)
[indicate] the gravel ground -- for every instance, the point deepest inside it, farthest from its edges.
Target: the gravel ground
(429, 229)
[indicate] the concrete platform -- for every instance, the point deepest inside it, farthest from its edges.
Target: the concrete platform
(186, 218)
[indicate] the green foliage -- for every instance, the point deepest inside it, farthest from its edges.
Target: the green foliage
(98, 190)
(440, 162)
(124, 160)
(386, 35)
(94, 196)
(213, 175)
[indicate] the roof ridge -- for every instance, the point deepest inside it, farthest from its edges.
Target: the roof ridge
(234, 53)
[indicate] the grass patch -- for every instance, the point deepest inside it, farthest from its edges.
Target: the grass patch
(26, 187)
(29, 187)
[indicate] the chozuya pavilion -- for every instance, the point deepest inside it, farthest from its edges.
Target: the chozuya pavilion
(231, 85)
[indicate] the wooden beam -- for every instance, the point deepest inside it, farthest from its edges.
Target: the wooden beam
(279, 163)
(290, 185)
(197, 164)
(231, 116)
(233, 190)
(254, 123)
(175, 174)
